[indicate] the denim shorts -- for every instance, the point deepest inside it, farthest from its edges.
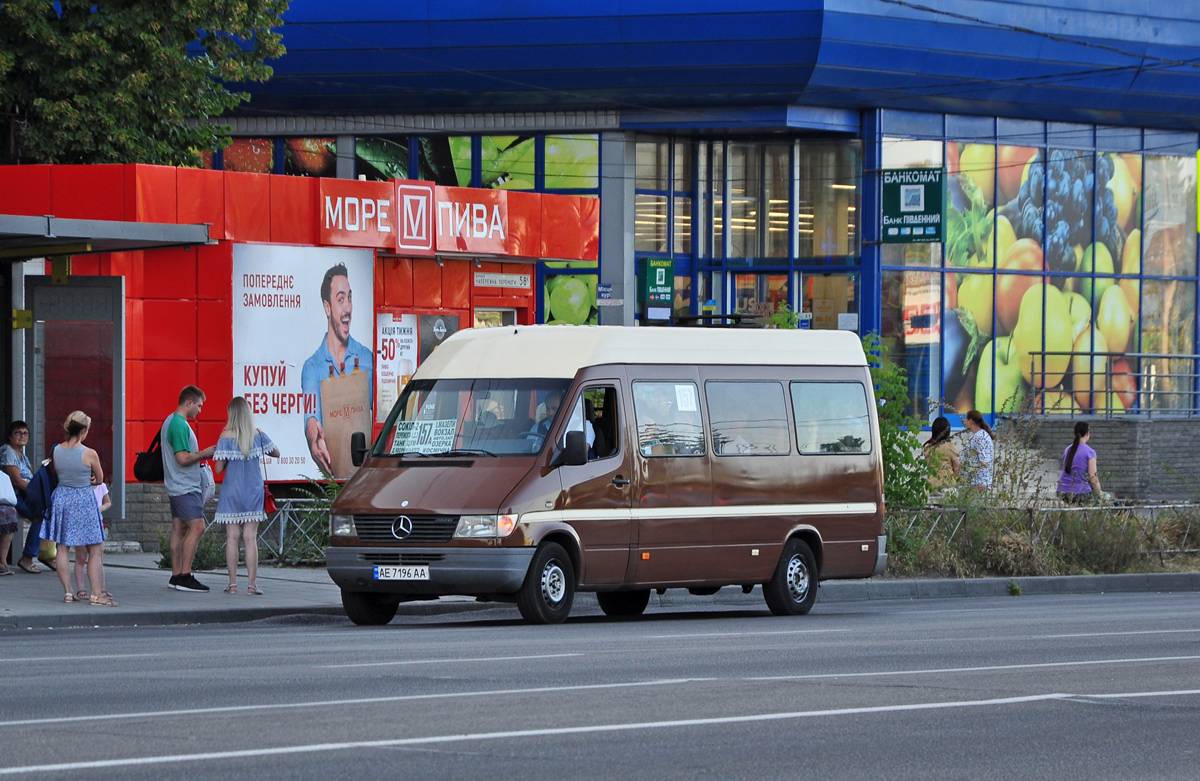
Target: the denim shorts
(189, 507)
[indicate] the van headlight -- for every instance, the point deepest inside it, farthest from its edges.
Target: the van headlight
(485, 526)
(341, 525)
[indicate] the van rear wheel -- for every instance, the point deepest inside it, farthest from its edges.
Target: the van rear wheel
(792, 590)
(549, 588)
(367, 609)
(623, 604)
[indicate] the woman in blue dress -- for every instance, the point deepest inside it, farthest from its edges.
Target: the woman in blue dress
(239, 455)
(74, 514)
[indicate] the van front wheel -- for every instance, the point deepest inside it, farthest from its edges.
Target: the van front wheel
(549, 588)
(367, 609)
(792, 590)
(623, 604)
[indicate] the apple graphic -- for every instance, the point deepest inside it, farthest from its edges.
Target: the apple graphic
(1081, 312)
(1056, 402)
(1010, 386)
(1090, 365)
(1047, 371)
(1124, 383)
(1131, 265)
(1098, 257)
(1022, 255)
(975, 295)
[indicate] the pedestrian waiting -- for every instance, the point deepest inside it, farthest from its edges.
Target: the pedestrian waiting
(74, 520)
(239, 455)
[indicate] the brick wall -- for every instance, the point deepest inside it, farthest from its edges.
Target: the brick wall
(1140, 459)
(147, 515)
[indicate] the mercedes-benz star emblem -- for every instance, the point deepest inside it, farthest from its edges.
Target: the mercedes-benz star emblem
(401, 527)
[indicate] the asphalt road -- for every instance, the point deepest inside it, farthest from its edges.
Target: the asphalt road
(1071, 686)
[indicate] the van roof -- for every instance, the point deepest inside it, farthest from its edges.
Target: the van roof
(561, 351)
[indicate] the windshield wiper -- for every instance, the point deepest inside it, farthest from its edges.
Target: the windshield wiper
(409, 453)
(464, 452)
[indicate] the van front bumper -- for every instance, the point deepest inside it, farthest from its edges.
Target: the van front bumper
(464, 571)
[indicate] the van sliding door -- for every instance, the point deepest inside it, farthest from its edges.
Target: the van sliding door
(673, 508)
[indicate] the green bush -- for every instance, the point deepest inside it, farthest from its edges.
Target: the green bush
(210, 552)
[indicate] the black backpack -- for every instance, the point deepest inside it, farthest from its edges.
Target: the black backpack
(148, 466)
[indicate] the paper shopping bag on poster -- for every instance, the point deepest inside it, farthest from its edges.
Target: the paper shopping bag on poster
(345, 409)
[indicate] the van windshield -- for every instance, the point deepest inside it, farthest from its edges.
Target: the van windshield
(490, 417)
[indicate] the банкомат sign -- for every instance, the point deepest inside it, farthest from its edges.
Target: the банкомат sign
(912, 205)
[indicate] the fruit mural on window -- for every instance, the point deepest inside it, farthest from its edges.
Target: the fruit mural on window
(310, 156)
(1041, 291)
(570, 298)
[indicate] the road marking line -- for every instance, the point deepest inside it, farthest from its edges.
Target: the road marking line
(747, 634)
(353, 701)
(89, 657)
(552, 732)
(988, 668)
(445, 661)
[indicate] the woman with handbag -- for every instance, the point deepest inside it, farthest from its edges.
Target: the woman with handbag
(74, 520)
(240, 507)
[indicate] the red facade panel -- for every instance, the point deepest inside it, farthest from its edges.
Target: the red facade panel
(202, 199)
(456, 284)
(524, 224)
(151, 193)
(135, 329)
(169, 330)
(88, 192)
(26, 190)
(397, 282)
(560, 228)
(427, 283)
(214, 270)
(169, 273)
(247, 207)
(294, 216)
(215, 335)
(164, 380)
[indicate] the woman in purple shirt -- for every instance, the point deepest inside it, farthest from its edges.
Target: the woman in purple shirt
(1078, 479)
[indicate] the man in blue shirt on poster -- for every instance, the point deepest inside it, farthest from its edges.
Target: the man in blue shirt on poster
(337, 354)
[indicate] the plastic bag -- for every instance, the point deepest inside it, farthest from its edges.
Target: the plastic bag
(208, 483)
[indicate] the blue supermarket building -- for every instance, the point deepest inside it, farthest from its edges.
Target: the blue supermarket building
(776, 152)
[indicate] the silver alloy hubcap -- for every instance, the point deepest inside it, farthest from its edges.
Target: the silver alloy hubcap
(797, 578)
(554, 583)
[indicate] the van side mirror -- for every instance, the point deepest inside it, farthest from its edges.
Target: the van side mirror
(358, 448)
(574, 452)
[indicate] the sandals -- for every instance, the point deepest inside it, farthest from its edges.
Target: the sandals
(4, 570)
(82, 596)
(255, 590)
(69, 597)
(231, 588)
(103, 600)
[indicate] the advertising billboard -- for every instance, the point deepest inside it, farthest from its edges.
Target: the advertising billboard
(303, 352)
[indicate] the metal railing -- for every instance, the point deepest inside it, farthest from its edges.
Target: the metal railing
(297, 533)
(1159, 387)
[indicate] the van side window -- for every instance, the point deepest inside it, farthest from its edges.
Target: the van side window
(600, 410)
(831, 417)
(668, 418)
(747, 418)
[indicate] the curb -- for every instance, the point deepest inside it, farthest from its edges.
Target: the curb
(831, 592)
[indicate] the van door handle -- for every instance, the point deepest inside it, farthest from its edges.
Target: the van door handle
(620, 482)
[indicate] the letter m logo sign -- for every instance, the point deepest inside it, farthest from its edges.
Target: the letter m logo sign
(415, 202)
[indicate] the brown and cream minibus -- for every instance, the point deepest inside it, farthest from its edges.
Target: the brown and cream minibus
(525, 464)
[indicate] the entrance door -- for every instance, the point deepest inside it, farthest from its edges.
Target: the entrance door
(75, 361)
(829, 300)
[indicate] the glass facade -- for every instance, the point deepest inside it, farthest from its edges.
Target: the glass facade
(1066, 281)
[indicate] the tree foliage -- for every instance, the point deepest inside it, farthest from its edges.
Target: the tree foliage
(124, 81)
(905, 471)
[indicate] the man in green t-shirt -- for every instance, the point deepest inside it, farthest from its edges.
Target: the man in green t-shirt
(181, 474)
